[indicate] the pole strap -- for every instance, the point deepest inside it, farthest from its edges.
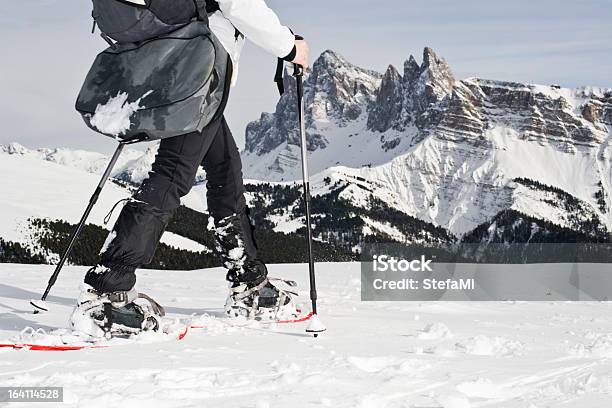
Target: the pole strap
(278, 77)
(202, 8)
(280, 70)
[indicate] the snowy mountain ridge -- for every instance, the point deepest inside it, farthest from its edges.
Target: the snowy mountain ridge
(351, 110)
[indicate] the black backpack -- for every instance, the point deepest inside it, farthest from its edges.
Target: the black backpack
(164, 74)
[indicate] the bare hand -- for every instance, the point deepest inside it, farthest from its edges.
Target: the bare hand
(302, 53)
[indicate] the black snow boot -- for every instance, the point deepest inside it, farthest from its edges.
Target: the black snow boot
(252, 294)
(235, 245)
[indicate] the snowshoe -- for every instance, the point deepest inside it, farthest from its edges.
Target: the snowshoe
(266, 301)
(115, 314)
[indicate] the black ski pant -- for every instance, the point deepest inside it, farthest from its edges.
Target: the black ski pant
(143, 219)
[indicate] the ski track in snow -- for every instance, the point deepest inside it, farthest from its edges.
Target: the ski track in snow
(375, 354)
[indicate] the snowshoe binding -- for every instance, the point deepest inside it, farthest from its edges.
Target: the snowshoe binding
(270, 300)
(115, 314)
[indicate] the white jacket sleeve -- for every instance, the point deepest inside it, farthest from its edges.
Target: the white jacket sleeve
(259, 24)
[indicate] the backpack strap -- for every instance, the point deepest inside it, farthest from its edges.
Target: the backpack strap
(205, 7)
(201, 9)
(212, 6)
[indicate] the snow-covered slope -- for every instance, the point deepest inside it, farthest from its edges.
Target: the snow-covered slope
(133, 165)
(459, 185)
(374, 355)
(57, 184)
(442, 150)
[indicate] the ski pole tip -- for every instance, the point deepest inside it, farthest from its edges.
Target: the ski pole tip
(39, 306)
(315, 327)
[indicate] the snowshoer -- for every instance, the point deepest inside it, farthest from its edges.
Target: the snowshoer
(108, 301)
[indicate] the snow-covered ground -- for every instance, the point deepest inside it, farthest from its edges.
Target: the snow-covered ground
(451, 355)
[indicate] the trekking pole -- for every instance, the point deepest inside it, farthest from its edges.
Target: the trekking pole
(315, 326)
(40, 305)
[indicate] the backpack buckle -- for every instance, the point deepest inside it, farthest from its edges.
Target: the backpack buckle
(109, 41)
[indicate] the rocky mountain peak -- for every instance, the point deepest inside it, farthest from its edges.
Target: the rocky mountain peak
(388, 105)
(420, 87)
(329, 59)
(432, 61)
(336, 91)
(412, 70)
(339, 95)
(391, 74)
(331, 63)
(437, 74)
(429, 57)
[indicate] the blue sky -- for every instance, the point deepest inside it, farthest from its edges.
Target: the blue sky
(46, 50)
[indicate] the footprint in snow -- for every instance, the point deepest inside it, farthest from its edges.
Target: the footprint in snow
(490, 346)
(435, 331)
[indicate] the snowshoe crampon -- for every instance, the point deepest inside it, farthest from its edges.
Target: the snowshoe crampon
(270, 300)
(115, 314)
